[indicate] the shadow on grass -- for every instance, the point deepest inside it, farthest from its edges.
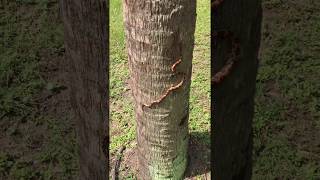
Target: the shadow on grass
(199, 155)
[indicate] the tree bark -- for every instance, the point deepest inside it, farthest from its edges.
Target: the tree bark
(86, 43)
(233, 98)
(160, 40)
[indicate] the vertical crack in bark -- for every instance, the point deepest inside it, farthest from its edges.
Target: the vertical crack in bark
(183, 120)
(185, 137)
(105, 143)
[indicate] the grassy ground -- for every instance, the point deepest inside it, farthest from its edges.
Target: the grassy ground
(36, 134)
(287, 118)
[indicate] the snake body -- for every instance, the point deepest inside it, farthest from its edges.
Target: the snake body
(235, 51)
(217, 77)
(172, 88)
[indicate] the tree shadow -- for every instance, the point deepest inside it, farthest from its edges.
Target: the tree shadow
(199, 155)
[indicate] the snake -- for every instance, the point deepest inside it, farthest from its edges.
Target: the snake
(172, 87)
(217, 77)
(235, 50)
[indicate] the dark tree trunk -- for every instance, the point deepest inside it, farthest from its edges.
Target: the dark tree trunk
(159, 40)
(86, 43)
(233, 97)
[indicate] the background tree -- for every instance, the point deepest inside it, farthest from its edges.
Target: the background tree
(233, 97)
(160, 41)
(86, 43)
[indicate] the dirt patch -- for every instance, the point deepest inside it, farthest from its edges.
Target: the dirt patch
(303, 134)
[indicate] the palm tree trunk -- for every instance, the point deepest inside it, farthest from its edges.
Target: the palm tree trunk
(86, 43)
(160, 40)
(233, 97)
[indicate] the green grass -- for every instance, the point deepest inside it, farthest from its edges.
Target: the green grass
(286, 124)
(43, 146)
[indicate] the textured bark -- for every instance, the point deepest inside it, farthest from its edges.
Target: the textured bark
(160, 40)
(86, 43)
(233, 98)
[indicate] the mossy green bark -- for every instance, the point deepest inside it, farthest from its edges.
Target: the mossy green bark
(179, 165)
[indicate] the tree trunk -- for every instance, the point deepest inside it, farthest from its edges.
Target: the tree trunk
(160, 40)
(86, 43)
(233, 97)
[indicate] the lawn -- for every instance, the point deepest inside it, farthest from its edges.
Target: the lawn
(287, 105)
(37, 138)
